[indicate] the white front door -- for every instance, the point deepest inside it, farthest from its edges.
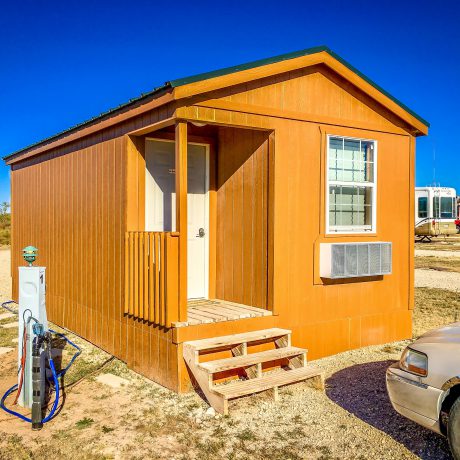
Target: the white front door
(197, 216)
(160, 204)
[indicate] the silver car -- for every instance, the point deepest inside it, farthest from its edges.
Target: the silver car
(424, 385)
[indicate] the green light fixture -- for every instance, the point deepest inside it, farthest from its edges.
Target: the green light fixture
(30, 253)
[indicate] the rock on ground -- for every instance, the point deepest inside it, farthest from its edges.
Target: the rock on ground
(112, 380)
(5, 350)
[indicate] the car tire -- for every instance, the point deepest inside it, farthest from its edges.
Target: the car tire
(453, 429)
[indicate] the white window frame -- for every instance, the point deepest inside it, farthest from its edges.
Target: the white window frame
(352, 229)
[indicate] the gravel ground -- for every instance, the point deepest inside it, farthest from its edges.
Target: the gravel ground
(352, 419)
(437, 279)
(435, 253)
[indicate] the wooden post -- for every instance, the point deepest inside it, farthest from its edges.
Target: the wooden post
(181, 213)
(411, 232)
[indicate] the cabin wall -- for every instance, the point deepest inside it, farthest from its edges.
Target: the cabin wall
(71, 204)
(242, 216)
(325, 317)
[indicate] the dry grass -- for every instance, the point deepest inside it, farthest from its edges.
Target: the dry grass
(438, 263)
(434, 308)
(7, 335)
(451, 243)
(5, 230)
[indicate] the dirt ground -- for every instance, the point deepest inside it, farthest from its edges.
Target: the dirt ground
(5, 274)
(439, 266)
(352, 419)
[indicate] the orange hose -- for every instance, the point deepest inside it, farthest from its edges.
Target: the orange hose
(23, 363)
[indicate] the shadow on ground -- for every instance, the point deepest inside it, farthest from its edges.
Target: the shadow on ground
(361, 390)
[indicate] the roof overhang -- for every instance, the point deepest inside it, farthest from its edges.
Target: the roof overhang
(325, 57)
(177, 90)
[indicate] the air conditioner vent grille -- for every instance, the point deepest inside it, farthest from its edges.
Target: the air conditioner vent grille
(347, 260)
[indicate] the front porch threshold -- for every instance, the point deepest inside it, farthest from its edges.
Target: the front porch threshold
(204, 311)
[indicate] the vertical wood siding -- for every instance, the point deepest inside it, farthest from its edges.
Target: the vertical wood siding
(242, 208)
(325, 318)
(71, 207)
(71, 204)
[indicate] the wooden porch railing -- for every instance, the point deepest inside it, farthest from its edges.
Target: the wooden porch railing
(152, 276)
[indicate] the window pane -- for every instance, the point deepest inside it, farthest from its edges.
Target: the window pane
(367, 149)
(351, 160)
(335, 158)
(443, 207)
(423, 206)
(350, 206)
(447, 207)
(351, 149)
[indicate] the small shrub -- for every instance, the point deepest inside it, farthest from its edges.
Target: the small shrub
(5, 229)
(84, 423)
(246, 435)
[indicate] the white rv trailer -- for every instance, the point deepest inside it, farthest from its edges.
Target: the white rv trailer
(435, 212)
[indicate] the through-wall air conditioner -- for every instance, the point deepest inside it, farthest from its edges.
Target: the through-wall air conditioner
(350, 260)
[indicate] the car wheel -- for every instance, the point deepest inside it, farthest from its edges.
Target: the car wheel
(453, 429)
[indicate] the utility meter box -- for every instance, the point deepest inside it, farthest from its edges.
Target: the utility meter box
(32, 304)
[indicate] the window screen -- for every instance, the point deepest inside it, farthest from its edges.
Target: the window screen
(351, 184)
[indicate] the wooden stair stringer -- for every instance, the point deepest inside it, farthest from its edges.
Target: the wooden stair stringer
(204, 380)
(218, 395)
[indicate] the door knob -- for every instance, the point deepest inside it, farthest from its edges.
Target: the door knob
(201, 232)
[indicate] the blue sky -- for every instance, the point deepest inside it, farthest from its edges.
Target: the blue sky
(64, 62)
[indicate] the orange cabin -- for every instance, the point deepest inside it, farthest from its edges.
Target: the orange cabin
(259, 196)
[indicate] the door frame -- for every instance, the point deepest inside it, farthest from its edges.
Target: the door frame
(206, 202)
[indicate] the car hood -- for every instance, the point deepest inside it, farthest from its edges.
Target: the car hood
(445, 334)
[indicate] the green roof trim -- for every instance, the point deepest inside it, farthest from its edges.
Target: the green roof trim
(219, 73)
(285, 57)
(379, 88)
(99, 117)
(247, 65)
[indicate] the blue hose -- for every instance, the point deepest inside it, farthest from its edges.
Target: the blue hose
(56, 376)
(55, 404)
(56, 398)
(8, 308)
(12, 412)
(74, 357)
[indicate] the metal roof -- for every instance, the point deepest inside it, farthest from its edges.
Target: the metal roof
(217, 73)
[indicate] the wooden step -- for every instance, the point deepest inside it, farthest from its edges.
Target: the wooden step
(243, 361)
(270, 380)
(229, 340)
(218, 396)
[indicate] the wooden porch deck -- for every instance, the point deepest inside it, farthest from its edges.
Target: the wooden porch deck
(202, 311)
